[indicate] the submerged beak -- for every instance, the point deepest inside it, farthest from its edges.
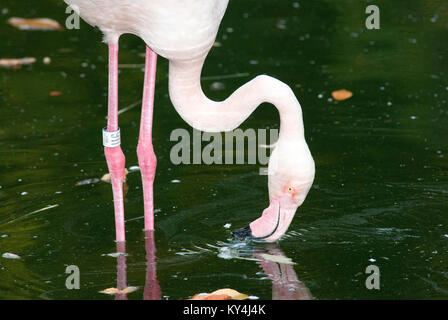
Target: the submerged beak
(273, 222)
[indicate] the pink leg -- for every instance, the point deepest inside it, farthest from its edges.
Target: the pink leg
(145, 151)
(114, 156)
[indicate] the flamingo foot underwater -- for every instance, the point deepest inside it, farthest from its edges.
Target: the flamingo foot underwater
(184, 32)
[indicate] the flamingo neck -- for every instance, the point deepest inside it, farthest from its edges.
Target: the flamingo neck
(206, 115)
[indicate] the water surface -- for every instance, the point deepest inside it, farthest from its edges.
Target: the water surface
(379, 197)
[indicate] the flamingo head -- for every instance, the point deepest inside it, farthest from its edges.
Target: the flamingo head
(291, 175)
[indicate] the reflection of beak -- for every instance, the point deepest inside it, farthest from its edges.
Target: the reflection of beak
(272, 224)
(285, 284)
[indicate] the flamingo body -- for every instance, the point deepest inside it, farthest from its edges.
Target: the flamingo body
(173, 29)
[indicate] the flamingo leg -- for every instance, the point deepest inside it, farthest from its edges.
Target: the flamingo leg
(114, 155)
(145, 150)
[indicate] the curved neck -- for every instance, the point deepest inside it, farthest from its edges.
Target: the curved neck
(206, 115)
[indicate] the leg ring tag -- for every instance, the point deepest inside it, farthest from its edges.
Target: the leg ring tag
(111, 139)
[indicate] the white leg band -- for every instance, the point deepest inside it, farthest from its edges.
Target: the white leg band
(111, 139)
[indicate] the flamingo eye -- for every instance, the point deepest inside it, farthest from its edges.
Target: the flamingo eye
(289, 189)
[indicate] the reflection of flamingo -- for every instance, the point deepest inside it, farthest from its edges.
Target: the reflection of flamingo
(184, 32)
(285, 284)
(152, 287)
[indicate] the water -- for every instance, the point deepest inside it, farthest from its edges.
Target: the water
(379, 197)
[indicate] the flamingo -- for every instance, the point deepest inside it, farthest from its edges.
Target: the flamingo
(184, 32)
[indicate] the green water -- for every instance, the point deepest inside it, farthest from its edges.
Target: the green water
(380, 194)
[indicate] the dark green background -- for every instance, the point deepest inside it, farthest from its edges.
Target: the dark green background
(381, 157)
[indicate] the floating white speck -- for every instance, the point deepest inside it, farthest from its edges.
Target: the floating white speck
(446, 235)
(253, 298)
(8, 255)
(413, 117)
(227, 225)
(24, 193)
(175, 181)
(134, 168)
(217, 86)
(372, 260)
(281, 24)
(116, 254)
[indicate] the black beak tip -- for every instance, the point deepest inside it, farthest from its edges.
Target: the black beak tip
(242, 233)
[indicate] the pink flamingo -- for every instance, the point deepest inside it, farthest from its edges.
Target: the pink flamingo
(183, 32)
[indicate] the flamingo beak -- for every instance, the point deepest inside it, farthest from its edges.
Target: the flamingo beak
(273, 222)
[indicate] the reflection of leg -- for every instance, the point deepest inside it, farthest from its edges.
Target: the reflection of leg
(152, 288)
(145, 151)
(121, 271)
(112, 150)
